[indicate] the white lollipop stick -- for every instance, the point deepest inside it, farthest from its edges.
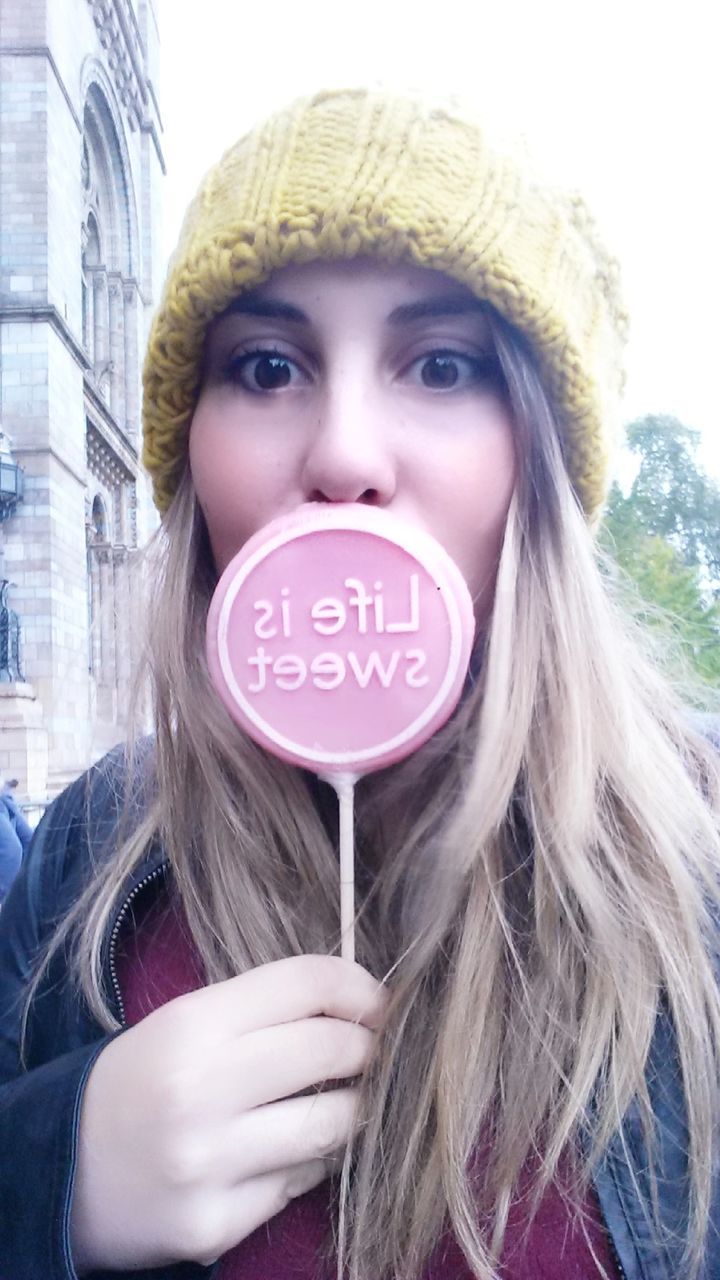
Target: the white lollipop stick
(344, 786)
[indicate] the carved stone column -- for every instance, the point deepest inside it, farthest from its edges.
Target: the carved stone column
(132, 371)
(95, 611)
(117, 348)
(101, 326)
(107, 684)
(89, 315)
(126, 631)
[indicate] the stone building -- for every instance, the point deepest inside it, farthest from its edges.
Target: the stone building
(81, 168)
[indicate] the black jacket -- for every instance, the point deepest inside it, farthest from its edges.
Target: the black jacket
(40, 1098)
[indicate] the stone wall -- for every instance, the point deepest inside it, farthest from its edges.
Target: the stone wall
(80, 178)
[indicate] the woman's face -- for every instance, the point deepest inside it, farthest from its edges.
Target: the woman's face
(356, 382)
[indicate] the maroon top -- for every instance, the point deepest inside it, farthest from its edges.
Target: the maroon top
(157, 963)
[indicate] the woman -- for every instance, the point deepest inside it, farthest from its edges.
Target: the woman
(519, 1078)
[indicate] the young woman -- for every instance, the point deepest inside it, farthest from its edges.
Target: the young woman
(520, 1076)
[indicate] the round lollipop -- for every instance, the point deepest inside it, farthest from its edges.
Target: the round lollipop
(339, 639)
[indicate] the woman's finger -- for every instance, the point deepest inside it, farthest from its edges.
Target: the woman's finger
(284, 1134)
(277, 1062)
(289, 990)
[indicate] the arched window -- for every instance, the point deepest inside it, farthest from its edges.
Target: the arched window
(91, 258)
(99, 520)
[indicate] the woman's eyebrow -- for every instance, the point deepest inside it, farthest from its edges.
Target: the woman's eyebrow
(266, 309)
(434, 309)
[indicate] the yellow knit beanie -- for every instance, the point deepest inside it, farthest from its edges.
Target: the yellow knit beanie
(361, 172)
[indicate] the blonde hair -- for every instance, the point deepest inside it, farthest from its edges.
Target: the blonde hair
(544, 887)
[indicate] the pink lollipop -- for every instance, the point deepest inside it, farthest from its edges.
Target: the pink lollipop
(339, 639)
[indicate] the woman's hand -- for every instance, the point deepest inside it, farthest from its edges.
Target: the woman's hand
(190, 1137)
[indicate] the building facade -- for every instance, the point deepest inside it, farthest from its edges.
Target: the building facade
(81, 169)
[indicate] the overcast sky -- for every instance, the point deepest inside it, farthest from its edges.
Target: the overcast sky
(618, 98)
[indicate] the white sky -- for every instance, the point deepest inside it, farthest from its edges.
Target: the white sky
(619, 98)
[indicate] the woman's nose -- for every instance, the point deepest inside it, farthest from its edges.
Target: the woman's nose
(349, 458)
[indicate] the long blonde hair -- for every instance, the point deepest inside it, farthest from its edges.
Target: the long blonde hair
(543, 887)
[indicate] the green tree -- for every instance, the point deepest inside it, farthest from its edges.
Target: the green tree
(665, 535)
(672, 496)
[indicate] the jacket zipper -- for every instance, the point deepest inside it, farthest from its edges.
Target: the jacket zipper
(117, 926)
(622, 1273)
(620, 1268)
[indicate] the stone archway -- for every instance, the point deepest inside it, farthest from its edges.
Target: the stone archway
(110, 298)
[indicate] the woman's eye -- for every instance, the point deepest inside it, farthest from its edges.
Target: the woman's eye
(261, 371)
(448, 370)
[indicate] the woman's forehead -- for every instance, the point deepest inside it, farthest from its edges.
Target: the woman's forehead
(369, 271)
(401, 293)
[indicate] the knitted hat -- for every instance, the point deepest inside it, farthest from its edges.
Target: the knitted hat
(361, 172)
